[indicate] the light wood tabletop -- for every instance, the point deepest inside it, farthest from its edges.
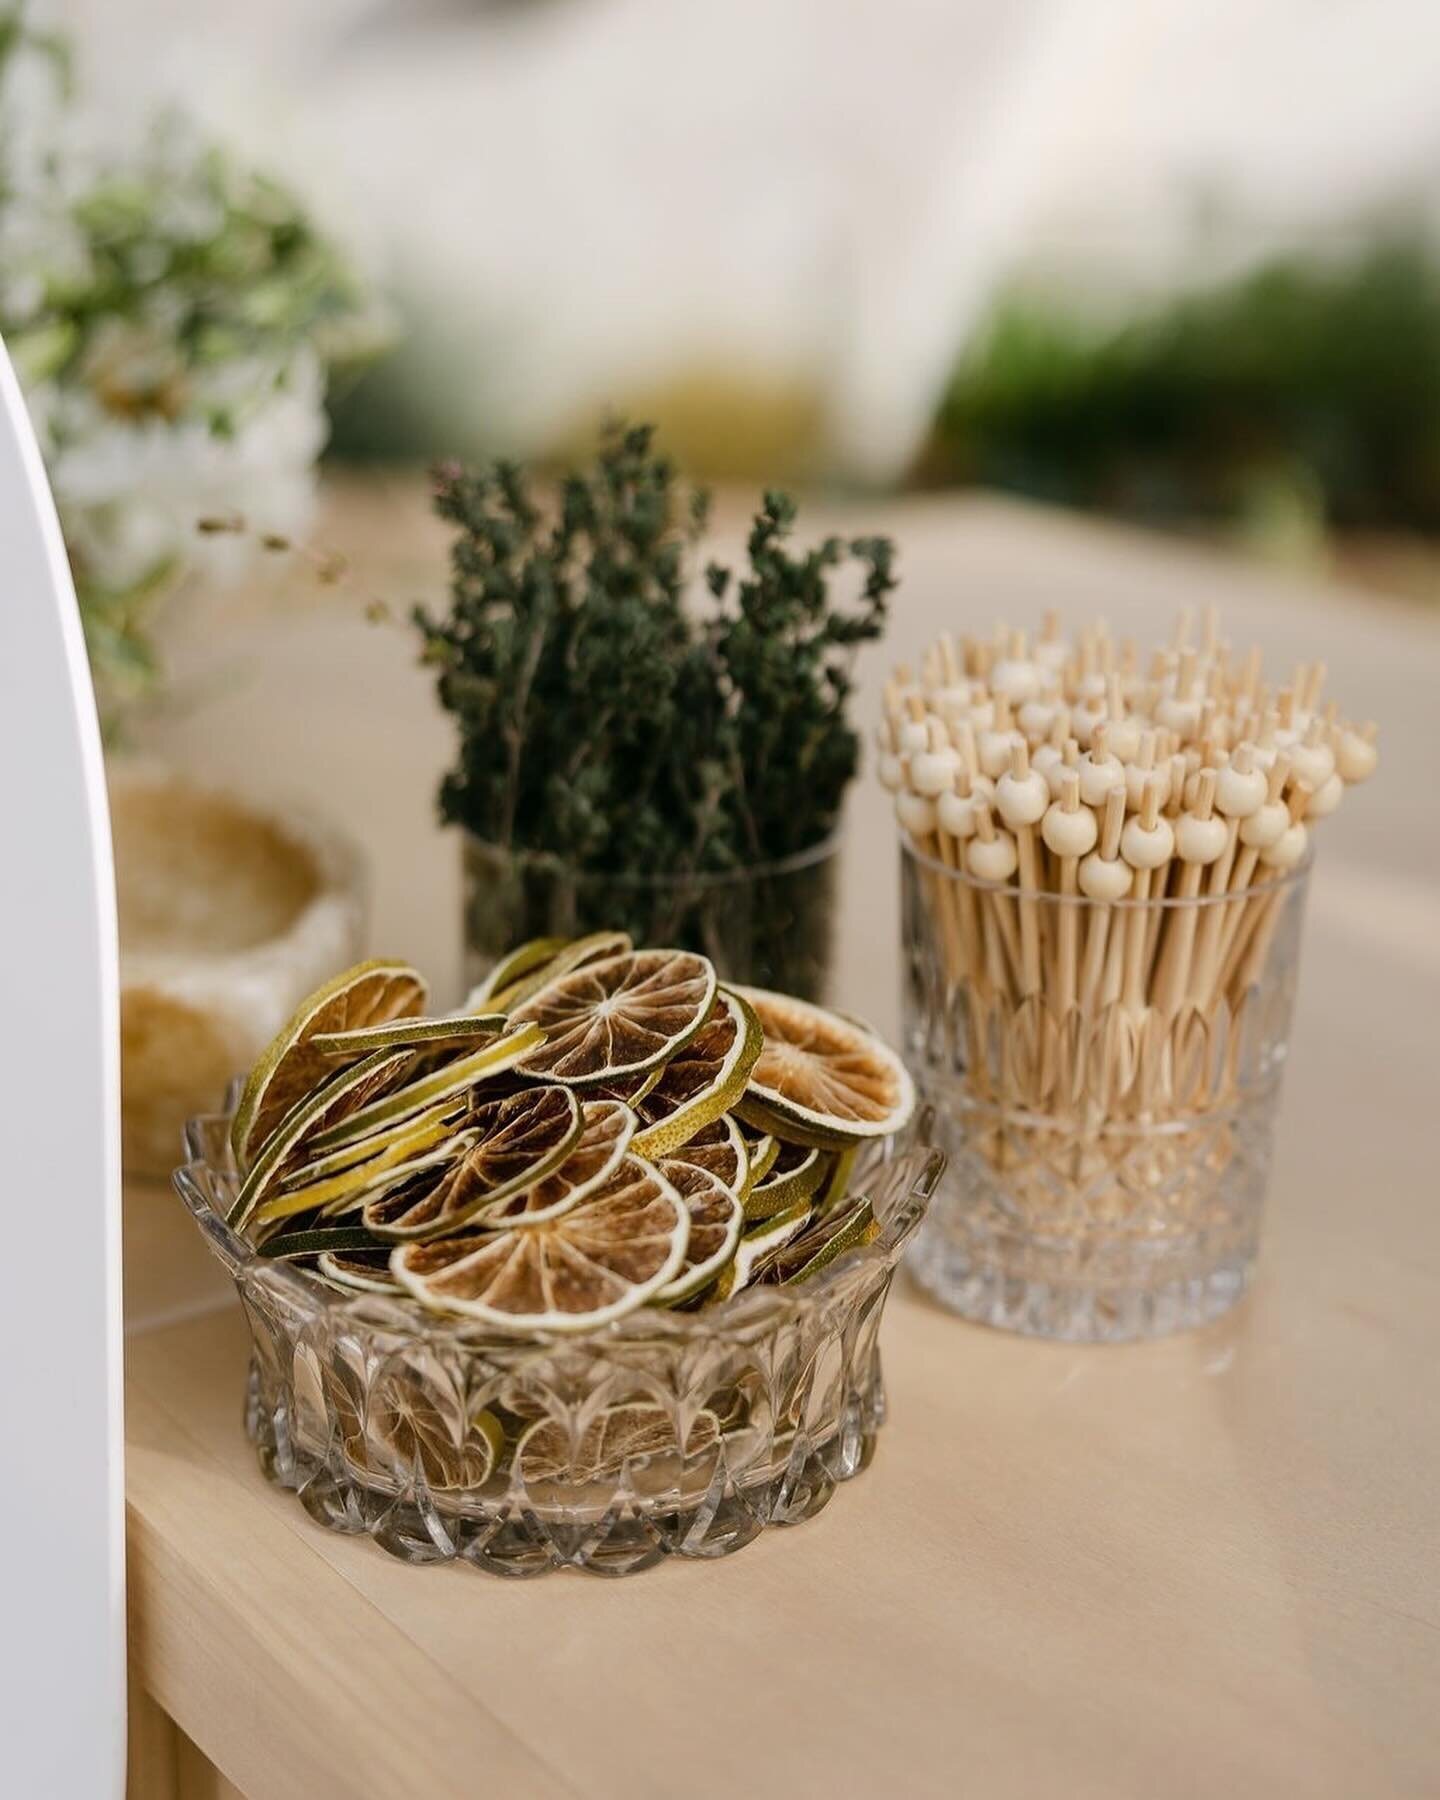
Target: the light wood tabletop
(1204, 1566)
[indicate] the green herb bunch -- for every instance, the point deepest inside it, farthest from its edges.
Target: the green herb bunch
(619, 717)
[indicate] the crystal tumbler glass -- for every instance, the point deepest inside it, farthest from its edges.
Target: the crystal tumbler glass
(766, 925)
(1107, 1121)
(665, 1433)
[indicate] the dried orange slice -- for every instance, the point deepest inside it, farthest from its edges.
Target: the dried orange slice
(618, 1016)
(715, 1220)
(702, 1080)
(603, 1258)
(606, 1128)
(822, 1079)
(291, 1068)
(516, 1141)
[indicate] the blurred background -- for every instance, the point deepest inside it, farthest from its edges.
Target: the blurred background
(1160, 258)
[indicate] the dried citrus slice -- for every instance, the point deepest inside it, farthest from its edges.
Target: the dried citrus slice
(715, 1220)
(365, 1181)
(633, 1431)
(291, 1068)
(316, 1240)
(762, 1147)
(576, 954)
(721, 1149)
(438, 1119)
(430, 1089)
(345, 1090)
(601, 1259)
(422, 1034)
(523, 960)
(821, 1079)
(606, 1128)
(360, 1271)
(516, 1141)
(795, 1173)
(820, 1245)
(411, 1419)
(618, 1016)
(702, 1080)
(755, 1248)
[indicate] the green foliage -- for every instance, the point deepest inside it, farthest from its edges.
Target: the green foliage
(1320, 377)
(603, 722)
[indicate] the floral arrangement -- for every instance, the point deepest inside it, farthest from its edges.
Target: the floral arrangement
(172, 317)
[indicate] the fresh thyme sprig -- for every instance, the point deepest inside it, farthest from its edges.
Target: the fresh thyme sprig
(606, 724)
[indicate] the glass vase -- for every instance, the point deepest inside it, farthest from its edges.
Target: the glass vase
(769, 925)
(663, 1433)
(1106, 1077)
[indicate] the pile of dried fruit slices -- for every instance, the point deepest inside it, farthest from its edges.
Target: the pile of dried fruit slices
(599, 1129)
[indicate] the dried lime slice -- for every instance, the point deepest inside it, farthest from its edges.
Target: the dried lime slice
(832, 1192)
(821, 1079)
(576, 954)
(291, 1068)
(451, 1078)
(517, 1140)
(316, 1240)
(702, 1080)
(763, 1148)
(715, 1220)
(820, 1245)
(619, 1016)
(524, 959)
(360, 1271)
(606, 1128)
(364, 1182)
(420, 1034)
(796, 1172)
(600, 1260)
(755, 1248)
(721, 1149)
(438, 1119)
(616, 1436)
(345, 1090)
(411, 1416)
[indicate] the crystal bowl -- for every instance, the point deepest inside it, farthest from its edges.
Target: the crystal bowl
(661, 1434)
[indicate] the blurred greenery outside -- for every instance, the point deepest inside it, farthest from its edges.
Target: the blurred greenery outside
(1294, 410)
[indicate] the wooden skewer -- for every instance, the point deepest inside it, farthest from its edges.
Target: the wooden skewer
(1021, 797)
(991, 856)
(1200, 840)
(1069, 830)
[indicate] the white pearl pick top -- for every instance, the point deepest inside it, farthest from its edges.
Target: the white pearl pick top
(933, 772)
(891, 771)
(1265, 825)
(913, 735)
(1288, 849)
(1239, 792)
(1022, 799)
(1146, 848)
(994, 749)
(1102, 880)
(1017, 678)
(1327, 798)
(1356, 757)
(1200, 840)
(956, 812)
(996, 860)
(1313, 763)
(1098, 774)
(916, 814)
(1069, 834)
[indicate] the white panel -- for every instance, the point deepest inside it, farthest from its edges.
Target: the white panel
(62, 1589)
